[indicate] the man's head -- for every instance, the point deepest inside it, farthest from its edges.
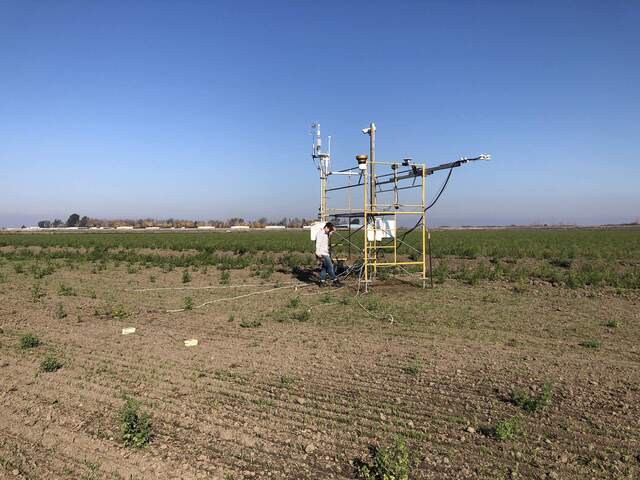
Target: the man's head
(328, 227)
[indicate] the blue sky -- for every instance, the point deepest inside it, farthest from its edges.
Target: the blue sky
(200, 109)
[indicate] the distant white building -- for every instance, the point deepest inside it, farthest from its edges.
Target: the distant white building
(275, 227)
(152, 228)
(206, 227)
(124, 227)
(240, 227)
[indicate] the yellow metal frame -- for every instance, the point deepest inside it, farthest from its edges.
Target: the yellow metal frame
(370, 210)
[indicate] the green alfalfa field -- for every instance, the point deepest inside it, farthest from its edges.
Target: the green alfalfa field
(521, 362)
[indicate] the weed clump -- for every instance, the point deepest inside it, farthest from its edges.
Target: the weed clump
(301, 316)
(520, 288)
(286, 381)
(413, 368)
(135, 425)
(591, 344)
(506, 429)
(188, 303)
(186, 276)
(530, 403)
(295, 302)
(65, 291)
(390, 463)
(60, 312)
(36, 292)
(252, 324)
(613, 324)
(29, 341)
(50, 364)
(118, 312)
(225, 276)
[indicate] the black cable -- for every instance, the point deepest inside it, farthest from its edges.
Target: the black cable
(444, 185)
(435, 200)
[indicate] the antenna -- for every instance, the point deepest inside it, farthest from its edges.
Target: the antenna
(323, 159)
(323, 163)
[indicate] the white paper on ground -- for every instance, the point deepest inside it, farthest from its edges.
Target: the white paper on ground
(128, 330)
(191, 343)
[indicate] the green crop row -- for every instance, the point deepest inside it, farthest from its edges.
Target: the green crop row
(558, 244)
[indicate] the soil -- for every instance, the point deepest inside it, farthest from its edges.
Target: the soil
(270, 392)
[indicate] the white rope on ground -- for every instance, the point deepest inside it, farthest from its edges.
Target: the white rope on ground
(210, 287)
(387, 315)
(228, 299)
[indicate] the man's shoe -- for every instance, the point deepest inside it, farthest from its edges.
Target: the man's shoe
(336, 283)
(322, 284)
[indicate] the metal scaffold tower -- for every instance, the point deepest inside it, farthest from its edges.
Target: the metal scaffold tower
(380, 210)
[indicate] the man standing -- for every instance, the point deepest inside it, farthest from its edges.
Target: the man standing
(322, 252)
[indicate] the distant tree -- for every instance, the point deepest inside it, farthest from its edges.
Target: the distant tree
(84, 222)
(260, 223)
(44, 224)
(57, 223)
(73, 221)
(236, 221)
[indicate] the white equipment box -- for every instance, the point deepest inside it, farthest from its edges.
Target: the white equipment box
(381, 228)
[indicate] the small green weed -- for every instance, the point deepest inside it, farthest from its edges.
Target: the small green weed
(29, 341)
(506, 429)
(391, 463)
(414, 367)
(295, 302)
(252, 324)
(60, 312)
(36, 292)
(301, 316)
(530, 403)
(520, 288)
(326, 298)
(345, 300)
(592, 344)
(286, 381)
(65, 291)
(135, 425)
(118, 312)
(225, 276)
(188, 303)
(50, 364)
(613, 324)
(186, 276)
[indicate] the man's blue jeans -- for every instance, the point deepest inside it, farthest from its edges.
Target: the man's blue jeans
(327, 267)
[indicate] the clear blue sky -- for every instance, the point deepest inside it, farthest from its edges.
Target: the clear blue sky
(201, 109)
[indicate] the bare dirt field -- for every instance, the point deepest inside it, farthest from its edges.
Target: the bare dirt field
(298, 382)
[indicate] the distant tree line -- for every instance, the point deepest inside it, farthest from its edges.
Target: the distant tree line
(76, 220)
